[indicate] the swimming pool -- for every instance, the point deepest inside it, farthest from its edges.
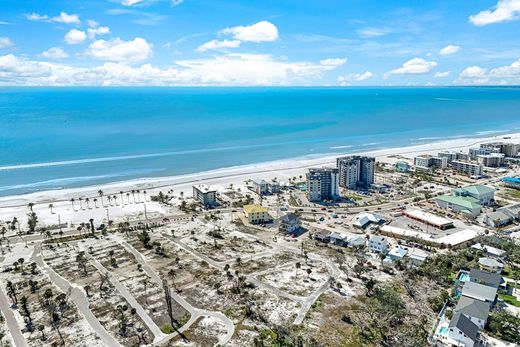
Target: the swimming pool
(464, 277)
(443, 331)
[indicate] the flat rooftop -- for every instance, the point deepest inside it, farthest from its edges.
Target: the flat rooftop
(428, 218)
(204, 188)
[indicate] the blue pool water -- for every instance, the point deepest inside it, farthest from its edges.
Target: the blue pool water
(67, 137)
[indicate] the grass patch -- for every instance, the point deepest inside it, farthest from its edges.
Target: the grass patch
(511, 300)
(167, 329)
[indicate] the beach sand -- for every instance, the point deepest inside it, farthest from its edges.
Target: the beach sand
(11, 206)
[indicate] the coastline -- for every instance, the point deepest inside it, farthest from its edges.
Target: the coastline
(281, 169)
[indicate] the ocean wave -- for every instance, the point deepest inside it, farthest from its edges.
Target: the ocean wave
(487, 132)
(341, 147)
(58, 182)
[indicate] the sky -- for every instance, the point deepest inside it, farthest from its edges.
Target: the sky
(259, 43)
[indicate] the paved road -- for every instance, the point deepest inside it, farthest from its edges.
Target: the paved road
(78, 297)
(156, 331)
(12, 324)
(194, 312)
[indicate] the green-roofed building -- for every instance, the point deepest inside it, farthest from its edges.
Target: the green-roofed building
(456, 203)
(484, 194)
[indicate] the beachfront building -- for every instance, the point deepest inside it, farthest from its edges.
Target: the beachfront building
(426, 162)
(263, 187)
(256, 214)
(378, 244)
(322, 184)
(473, 153)
(289, 223)
(467, 168)
(511, 182)
(356, 171)
(205, 195)
(451, 156)
(402, 166)
(491, 160)
(510, 150)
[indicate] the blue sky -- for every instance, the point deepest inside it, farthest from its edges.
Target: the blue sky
(212, 42)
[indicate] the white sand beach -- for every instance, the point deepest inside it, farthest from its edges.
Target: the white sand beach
(11, 206)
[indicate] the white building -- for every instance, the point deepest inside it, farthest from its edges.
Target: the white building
(378, 244)
(290, 223)
(322, 184)
(428, 162)
(355, 171)
(205, 195)
(491, 160)
(470, 169)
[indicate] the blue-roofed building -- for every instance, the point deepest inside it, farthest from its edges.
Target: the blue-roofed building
(512, 182)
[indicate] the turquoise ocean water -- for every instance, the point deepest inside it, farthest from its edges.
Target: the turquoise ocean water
(53, 138)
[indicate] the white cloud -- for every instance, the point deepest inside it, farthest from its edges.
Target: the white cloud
(415, 66)
(505, 10)
(502, 75)
(5, 42)
(228, 69)
(449, 49)
(75, 36)
(216, 44)
(131, 2)
(355, 77)
(55, 53)
(143, 2)
(122, 51)
(333, 62)
(258, 32)
(92, 32)
(442, 74)
(63, 17)
(374, 32)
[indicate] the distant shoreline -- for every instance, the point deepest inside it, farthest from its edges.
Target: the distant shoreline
(282, 169)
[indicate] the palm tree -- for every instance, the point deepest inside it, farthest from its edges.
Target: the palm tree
(92, 229)
(50, 207)
(109, 198)
(298, 266)
(145, 282)
(133, 194)
(95, 203)
(21, 261)
(80, 203)
(122, 201)
(72, 202)
(87, 200)
(41, 328)
(128, 198)
(144, 193)
(172, 274)
(31, 205)
(11, 292)
(100, 192)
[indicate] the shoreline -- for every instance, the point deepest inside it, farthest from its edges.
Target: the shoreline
(282, 169)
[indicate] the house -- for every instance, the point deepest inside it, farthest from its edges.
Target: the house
(489, 251)
(378, 244)
(289, 223)
(489, 279)
(463, 331)
(497, 219)
(257, 214)
(362, 220)
(263, 187)
(397, 253)
(402, 166)
(357, 242)
(260, 186)
(480, 292)
(490, 265)
(321, 235)
(477, 311)
(206, 195)
(339, 239)
(417, 256)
